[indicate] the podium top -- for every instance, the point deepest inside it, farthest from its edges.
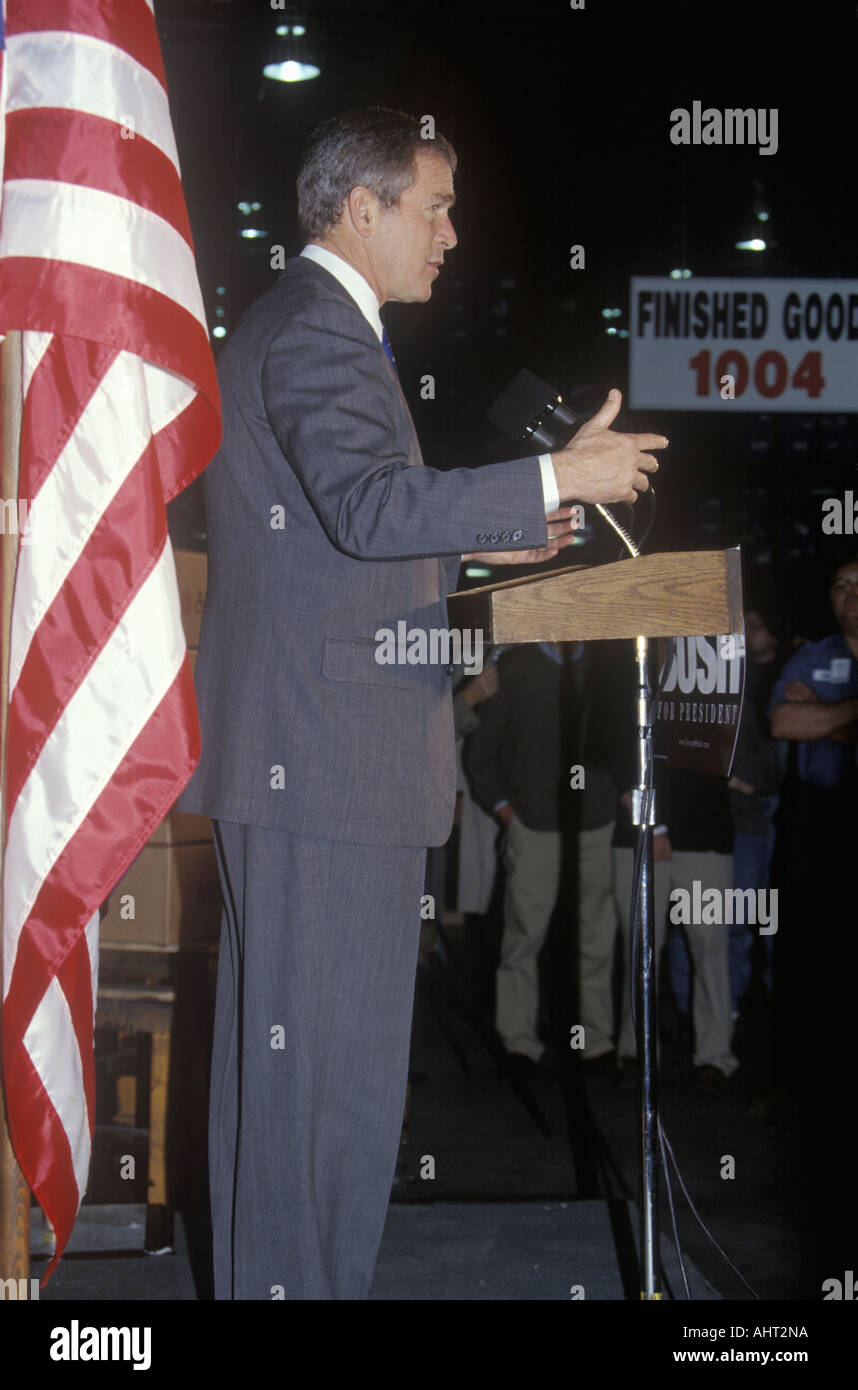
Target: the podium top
(683, 593)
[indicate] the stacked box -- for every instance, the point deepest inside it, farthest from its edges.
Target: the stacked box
(170, 895)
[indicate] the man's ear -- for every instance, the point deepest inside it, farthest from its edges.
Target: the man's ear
(362, 210)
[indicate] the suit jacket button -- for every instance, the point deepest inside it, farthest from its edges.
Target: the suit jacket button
(517, 535)
(494, 538)
(505, 536)
(450, 670)
(482, 538)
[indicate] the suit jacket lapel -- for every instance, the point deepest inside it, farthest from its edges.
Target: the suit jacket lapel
(303, 264)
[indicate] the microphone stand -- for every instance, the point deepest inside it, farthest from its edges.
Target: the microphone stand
(642, 925)
(530, 410)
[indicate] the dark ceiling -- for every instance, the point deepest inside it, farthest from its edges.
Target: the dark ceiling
(561, 121)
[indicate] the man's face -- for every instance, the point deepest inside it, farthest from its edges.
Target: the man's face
(844, 598)
(760, 642)
(412, 238)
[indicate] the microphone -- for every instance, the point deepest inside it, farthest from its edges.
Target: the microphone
(529, 410)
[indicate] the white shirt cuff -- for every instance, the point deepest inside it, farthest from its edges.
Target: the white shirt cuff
(549, 484)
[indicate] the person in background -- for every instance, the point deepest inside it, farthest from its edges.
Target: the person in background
(814, 706)
(692, 840)
(515, 767)
(477, 866)
(753, 787)
(471, 693)
(597, 913)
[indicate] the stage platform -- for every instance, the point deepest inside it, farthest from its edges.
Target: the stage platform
(526, 1251)
(431, 1251)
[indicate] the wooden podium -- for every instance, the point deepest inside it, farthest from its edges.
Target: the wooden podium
(681, 594)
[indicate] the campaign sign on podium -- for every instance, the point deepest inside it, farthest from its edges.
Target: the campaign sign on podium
(700, 707)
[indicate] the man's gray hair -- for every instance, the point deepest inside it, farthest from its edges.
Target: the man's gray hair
(372, 148)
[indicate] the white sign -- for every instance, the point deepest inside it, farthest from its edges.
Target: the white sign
(758, 345)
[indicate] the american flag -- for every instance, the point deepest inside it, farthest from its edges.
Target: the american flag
(120, 412)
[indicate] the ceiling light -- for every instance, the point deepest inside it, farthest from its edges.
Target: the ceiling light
(290, 71)
(293, 59)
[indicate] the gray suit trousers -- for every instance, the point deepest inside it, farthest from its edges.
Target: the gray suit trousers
(312, 1027)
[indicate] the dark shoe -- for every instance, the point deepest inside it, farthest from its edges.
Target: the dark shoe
(603, 1065)
(521, 1068)
(627, 1078)
(771, 1103)
(548, 1067)
(709, 1079)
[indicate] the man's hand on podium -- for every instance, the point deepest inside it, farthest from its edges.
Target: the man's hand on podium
(600, 465)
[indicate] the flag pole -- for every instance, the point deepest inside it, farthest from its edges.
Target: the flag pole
(14, 1193)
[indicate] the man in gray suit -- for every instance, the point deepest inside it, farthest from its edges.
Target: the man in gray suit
(327, 773)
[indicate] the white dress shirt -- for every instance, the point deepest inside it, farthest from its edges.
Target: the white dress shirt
(364, 297)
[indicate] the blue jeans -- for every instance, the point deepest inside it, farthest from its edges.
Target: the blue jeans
(752, 858)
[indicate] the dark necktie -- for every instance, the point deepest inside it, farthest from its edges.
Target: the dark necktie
(385, 343)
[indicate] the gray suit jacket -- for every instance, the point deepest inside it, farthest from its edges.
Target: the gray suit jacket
(324, 527)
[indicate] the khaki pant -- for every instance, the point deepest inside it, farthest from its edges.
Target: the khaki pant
(713, 1025)
(597, 931)
(532, 862)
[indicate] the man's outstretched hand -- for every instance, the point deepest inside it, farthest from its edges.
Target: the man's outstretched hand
(602, 465)
(597, 465)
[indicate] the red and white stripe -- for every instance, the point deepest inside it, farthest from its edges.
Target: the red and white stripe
(120, 412)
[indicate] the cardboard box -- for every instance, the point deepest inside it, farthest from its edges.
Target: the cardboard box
(174, 894)
(192, 576)
(181, 828)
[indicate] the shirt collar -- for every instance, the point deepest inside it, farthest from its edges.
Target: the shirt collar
(351, 280)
